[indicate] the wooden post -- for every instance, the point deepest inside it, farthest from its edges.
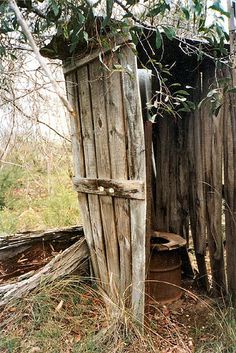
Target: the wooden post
(212, 136)
(230, 167)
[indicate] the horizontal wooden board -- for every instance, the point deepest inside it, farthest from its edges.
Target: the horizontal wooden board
(129, 189)
(83, 59)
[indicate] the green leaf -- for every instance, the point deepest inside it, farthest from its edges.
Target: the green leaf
(54, 6)
(232, 90)
(159, 8)
(175, 85)
(182, 92)
(186, 12)
(158, 41)
(109, 7)
(198, 7)
(169, 32)
(185, 110)
(211, 93)
(2, 50)
(191, 105)
(217, 7)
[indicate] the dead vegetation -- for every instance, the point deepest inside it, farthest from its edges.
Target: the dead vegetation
(69, 316)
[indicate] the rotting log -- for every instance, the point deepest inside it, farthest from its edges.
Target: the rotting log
(17, 243)
(66, 263)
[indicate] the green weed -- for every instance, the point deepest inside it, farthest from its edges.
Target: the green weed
(40, 193)
(9, 178)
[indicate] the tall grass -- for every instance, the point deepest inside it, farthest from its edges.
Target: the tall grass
(69, 316)
(37, 191)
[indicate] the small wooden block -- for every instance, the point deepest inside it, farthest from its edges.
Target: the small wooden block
(129, 189)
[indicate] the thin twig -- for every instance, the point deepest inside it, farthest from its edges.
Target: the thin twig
(40, 59)
(41, 122)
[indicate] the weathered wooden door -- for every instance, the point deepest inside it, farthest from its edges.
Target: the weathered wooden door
(109, 157)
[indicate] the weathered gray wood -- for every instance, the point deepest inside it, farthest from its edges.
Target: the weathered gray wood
(79, 167)
(145, 88)
(129, 189)
(96, 76)
(136, 169)
(150, 204)
(65, 263)
(111, 138)
(182, 180)
(162, 175)
(196, 187)
(19, 242)
(230, 190)
(88, 56)
(212, 131)
(119, 170)
(88, 142)
(172, 182)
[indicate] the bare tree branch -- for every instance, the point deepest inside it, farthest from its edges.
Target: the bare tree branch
(40, 59)
(41, 122)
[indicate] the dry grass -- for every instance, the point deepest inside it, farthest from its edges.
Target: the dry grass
(70, 317)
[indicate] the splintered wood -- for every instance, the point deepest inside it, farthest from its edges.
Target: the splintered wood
(109, 156)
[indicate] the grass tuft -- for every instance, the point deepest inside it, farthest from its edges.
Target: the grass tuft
(69, 316)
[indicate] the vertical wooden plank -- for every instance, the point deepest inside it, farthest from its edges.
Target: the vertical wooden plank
(212, 128)
(149, 196)
(181, 221)
(96, 81)
(119, 170)
(196, 187)
(79, 167)
(136, 166)
(230, 191)
(168, 177)
(173, 176)
(87, 130)
(162, 175)
(183, 177)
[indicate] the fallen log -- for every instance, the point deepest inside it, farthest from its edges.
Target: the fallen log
(74, 258)
(17, 243)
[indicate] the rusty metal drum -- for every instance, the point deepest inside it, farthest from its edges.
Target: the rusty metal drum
(164, 282)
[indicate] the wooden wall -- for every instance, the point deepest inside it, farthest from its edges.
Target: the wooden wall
(189, 162)
(189, 181)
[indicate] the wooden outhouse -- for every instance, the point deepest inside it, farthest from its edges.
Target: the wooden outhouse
(133, 176)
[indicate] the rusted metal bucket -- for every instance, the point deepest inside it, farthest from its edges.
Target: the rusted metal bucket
(165, 267)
